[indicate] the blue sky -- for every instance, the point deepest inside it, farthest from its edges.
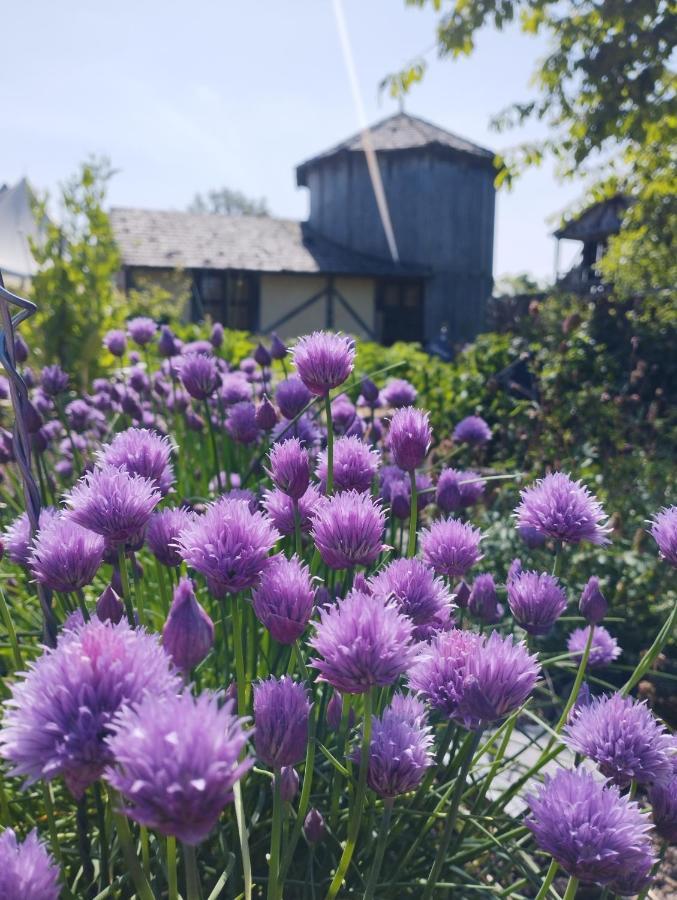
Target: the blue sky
(185, 96)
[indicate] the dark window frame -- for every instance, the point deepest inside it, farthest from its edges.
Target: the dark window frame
(222, 307)
(393, 323)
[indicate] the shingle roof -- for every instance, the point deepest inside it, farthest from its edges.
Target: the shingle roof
(596, 222)
(401, 132)
(166, 239)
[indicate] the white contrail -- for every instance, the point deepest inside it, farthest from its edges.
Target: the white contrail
(367, 146)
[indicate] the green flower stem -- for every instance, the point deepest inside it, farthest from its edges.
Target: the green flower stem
(557, 562)
(549, 878)
(330, 447)
(275, 838)
(192, 877)
(162, 581)
(413, 515)
(172, 880)
(577, 684)
(242, 708)
(124, 579)
(215, 452)
(647, 660)
(358, 802)
(304, 801)
(452, 816)
(143, 889)
(81, 603)
(341, 742)
(51, 822)
(572, 888)
(103, 839)
(11, 632)
(380, 849)
(297, 529)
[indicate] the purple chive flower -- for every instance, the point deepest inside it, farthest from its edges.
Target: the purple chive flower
(281, 711)
(229, 545)
(292, 396)
(290, 468)
(592, 605)
(289, 783)
(664, 532)
(624, 738)
(65, 556)
(199, 375)
(280, 509)
(355, 465)
(167, 344)
(314, 828)
(398, 393)
(409, 437)
(348, 529)
(164, 528)
(284, 600)
(277, 348)
(61, 711)
(514, 571)
(323, 360)
(400, 491)
(141, 330)
(176, 762)
(20, 349)
(188, 633)
(400, 751)
(266, 415)
(536, 601)
(531, 536)
(457, 490)
(17, 535)
(472, 430)
(603, 650)
(142, 452)
(562, 509)
(593, 832)
(262, 356)
(82, 416)
(473, 679)
(343, 414)
(54, 380)
(27, 870)
(235, 388)
(216, 335)
(206, 348)
(483, 601)
(303, 428)
(663, 799)
(113, 503)
(115, 342)
(241, 422)
(451, 547)
(362, 641)
(109, 607)
(420, 595)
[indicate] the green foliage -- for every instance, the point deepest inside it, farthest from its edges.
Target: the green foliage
(227, 202)
(74, 289)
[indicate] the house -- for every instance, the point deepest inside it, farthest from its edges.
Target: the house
(337, 270)
(592, 228)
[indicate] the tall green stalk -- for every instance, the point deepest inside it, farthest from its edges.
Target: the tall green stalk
(330, 447)
(572, 888)
(275, 838)
(143, 889)
(192, 877)
(172, 880)
(240, 675)
(358, 802)
(413, 515)
(548, 880)
(452, 816)
(215, 452)
(124, 580)
(384, 830)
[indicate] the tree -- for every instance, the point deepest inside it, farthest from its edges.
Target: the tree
(74, 287)
(228, 202)
(607, 92)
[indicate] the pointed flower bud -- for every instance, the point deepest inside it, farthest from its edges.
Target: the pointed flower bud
(109, 607)
(262, 356)
(314, 828)
(266, 415)
(369, 391)
(188, 634)
(289, 783)
(593, 605)
(277, 348)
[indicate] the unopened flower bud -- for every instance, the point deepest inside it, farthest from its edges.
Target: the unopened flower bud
(462, 595)
(188, 634)
(109, 607)
(369, 391)
(277, 348)
(262, 356)
(289, 783)
(335, 712)
(593, 605)
(314, 828)
(266, 415)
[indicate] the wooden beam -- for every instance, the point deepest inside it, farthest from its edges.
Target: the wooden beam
(351, 312)
(296, 310)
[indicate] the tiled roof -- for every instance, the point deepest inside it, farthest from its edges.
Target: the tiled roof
(166, 239)
(401, 132)
(596, 222)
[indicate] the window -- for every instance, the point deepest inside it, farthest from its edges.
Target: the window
(399, 311)
(231, 298)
